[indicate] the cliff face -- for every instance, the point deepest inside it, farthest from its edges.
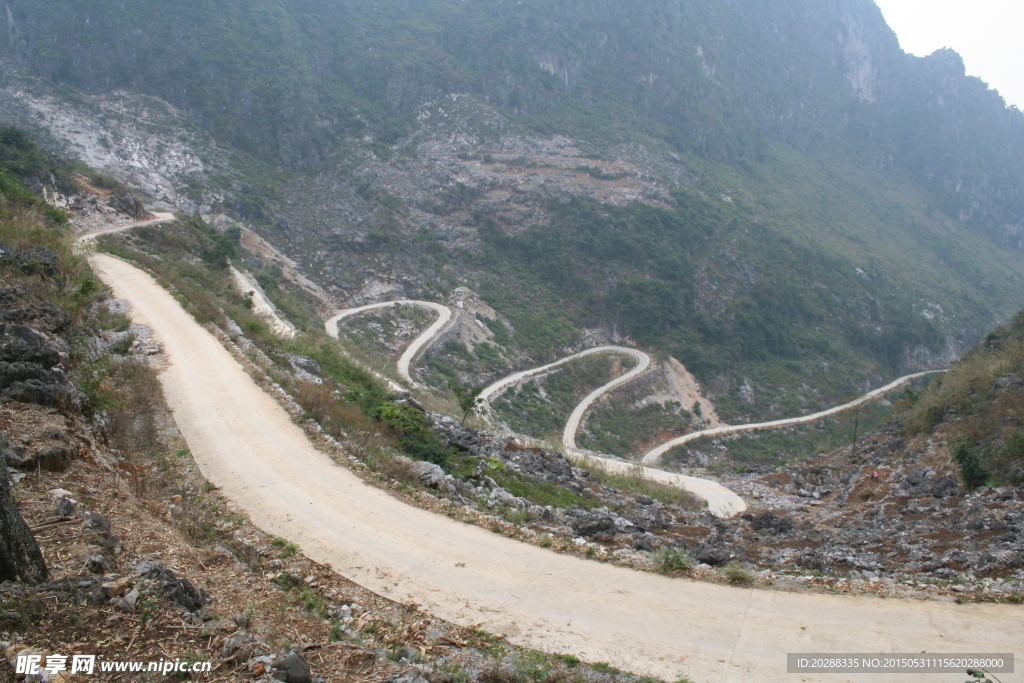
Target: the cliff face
(289, 79)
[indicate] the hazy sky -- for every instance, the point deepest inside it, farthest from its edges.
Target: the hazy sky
(988, 34)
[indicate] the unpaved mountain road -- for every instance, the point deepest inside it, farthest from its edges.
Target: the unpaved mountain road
(654, 455)
(444, 314)
(245, 443)
(156, 217)
(721, 501)
(643, 361)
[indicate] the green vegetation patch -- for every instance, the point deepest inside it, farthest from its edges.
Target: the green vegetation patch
(783, 445)
(540, 407)
(620, 428)
(981, 399)
(633, 483)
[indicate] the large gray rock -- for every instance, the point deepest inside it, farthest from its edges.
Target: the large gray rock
(125, 200)
(769, 520)
(31, 261)
(28, 371)
(1008, 382)
(291, 667)
(17, 306)
(56, 458)
(305, 363)
(711, 555)
(428, 473)
(599, 521)
(501, 497)
(20, 344)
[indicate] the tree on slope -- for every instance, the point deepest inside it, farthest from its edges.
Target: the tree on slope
(20, 557)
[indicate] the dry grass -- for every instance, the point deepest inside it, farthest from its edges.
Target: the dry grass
(133, 412)
(73, 287)
(634, 483)
(967, 382)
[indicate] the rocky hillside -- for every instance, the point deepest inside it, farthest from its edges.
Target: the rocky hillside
(978, 404)
(777, 198)
(292, 79)
(820, 523)
(114, 546)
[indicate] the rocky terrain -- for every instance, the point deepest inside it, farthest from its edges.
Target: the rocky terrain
(822, 523)
(141, 559)
(829, 519)
(666, 212)
(810, 519)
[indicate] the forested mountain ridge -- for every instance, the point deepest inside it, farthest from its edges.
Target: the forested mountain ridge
(771, 192)
(289, 78)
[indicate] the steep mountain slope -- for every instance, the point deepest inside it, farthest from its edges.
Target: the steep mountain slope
(977, 406)
(773, 192)
(287, 77)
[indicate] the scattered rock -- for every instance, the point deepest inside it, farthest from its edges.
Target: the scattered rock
(305, 364)
(499, 497)
(711, 555)
(770, 520)
(124, 200)
(179, 591)
(291, 667)
(115, 586)
(55, 458)
(243, 646)
(28, 369)
(66, 507)
(127, 603)
(1008, 382)
(97, 522)
(32, 261)
(591, 523)
(96, 563)
(414, 675)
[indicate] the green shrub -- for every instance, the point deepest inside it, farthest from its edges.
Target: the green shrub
(312, 601)
(287, 547)
(1015, 445)
(973, 472)
(286, 581)
(737, 573)
(673, 560)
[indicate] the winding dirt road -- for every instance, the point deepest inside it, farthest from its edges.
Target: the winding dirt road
(444, 314)
(643, 362)
(156, 217)
(654, 455)
(245, 443)
(721, 501)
